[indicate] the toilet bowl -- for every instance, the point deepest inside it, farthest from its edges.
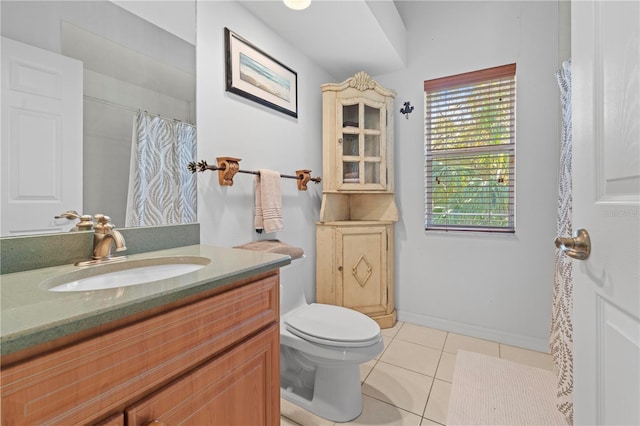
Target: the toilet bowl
(321, 348)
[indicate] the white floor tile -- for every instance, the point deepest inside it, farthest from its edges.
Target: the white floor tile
(446, 366)
(398, 386)
(472, 344)
(386, 340)
(527, 357)
(391, 332)
(286, 422)
(438, 403)
(365, 369)
(376, 412)
(412, 356)
(422, 335)
(301, 416)
(427, 422)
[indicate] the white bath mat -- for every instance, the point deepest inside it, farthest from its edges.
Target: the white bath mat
(491, 391)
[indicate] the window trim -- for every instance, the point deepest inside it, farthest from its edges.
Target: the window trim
(450, 83)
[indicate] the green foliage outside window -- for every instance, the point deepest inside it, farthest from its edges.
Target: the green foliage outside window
(470, 156)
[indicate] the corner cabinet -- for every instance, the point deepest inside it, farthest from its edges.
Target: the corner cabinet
(355, 243)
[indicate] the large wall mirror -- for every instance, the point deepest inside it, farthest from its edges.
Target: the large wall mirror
(131, 63)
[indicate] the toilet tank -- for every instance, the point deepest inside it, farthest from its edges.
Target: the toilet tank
(292, 285)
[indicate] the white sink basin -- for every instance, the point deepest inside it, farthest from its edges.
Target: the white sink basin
(125, 273)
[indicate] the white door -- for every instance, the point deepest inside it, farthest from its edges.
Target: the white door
(606, 202)
(41, 152)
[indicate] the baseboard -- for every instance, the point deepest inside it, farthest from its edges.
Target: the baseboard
(533, 343)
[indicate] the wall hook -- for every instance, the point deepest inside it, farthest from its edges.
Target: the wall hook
(408, 109)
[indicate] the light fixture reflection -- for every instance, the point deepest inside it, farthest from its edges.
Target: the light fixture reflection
(297, 4)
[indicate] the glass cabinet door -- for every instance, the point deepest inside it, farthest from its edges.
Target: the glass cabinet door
(361, 145)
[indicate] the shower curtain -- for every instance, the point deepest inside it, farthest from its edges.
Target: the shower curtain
(561, 341)
(162, 191)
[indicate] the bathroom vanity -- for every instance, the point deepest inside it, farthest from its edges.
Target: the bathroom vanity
(200, 348)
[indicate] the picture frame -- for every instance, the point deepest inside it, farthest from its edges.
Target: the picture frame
(255, 75)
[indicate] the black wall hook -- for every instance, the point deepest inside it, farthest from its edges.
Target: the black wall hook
(408, 109)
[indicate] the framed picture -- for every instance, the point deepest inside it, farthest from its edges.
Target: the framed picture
(253, 74)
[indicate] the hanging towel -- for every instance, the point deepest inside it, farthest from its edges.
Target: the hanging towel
(268, 201)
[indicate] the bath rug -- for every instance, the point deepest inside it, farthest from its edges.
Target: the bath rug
(492, 391)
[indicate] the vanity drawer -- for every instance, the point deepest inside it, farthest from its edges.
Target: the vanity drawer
(103, 374)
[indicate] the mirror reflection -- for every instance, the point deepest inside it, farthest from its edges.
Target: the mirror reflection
(117, 147)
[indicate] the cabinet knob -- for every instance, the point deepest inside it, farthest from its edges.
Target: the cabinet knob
(340, 140)
(340, 268)
(154, 423)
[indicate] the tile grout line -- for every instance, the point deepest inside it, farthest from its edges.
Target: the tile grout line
(424, 411)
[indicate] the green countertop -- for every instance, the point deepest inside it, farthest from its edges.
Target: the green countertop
(31, 315)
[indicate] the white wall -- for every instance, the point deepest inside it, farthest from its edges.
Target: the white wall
(490, 286)
(229, 125)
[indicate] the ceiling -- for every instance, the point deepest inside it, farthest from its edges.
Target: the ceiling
(343, 37)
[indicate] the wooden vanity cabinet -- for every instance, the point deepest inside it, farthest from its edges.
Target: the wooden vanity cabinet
(229, 390)
(213, 361)
(354, 246)
(114, 420)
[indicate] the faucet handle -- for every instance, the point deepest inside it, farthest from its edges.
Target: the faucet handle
(103, 224)
(86, 223)
(69, 214)
(102, 219)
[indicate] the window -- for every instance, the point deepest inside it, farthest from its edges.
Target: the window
(470, 151)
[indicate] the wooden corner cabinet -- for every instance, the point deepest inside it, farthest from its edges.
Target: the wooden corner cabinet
(355, 243)
(212, 361)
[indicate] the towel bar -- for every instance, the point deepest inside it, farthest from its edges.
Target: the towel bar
(228, 166)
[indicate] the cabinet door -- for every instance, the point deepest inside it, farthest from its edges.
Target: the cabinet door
(361, 145)
(240, 387)
(362, 260)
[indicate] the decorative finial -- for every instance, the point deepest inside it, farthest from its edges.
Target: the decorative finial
(362, 81)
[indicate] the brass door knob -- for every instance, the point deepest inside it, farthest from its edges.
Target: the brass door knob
(577, 247)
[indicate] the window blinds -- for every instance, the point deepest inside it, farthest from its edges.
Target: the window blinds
(470, 151)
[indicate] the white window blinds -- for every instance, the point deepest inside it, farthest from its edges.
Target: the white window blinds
(470, 151)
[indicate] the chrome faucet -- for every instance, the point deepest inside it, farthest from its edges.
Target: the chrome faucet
(104, 237)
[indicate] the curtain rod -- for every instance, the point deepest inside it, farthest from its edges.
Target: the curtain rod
(128, 108)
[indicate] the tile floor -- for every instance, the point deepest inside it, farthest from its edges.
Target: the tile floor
(410, 382)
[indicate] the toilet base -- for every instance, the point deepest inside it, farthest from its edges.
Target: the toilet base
(337, 394)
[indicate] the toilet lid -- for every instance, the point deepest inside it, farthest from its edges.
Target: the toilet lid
(333, 325)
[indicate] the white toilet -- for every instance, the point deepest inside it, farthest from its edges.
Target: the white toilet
(321, 348)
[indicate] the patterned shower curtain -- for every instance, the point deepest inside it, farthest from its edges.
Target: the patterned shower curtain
(162, 191)
(561, 341)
